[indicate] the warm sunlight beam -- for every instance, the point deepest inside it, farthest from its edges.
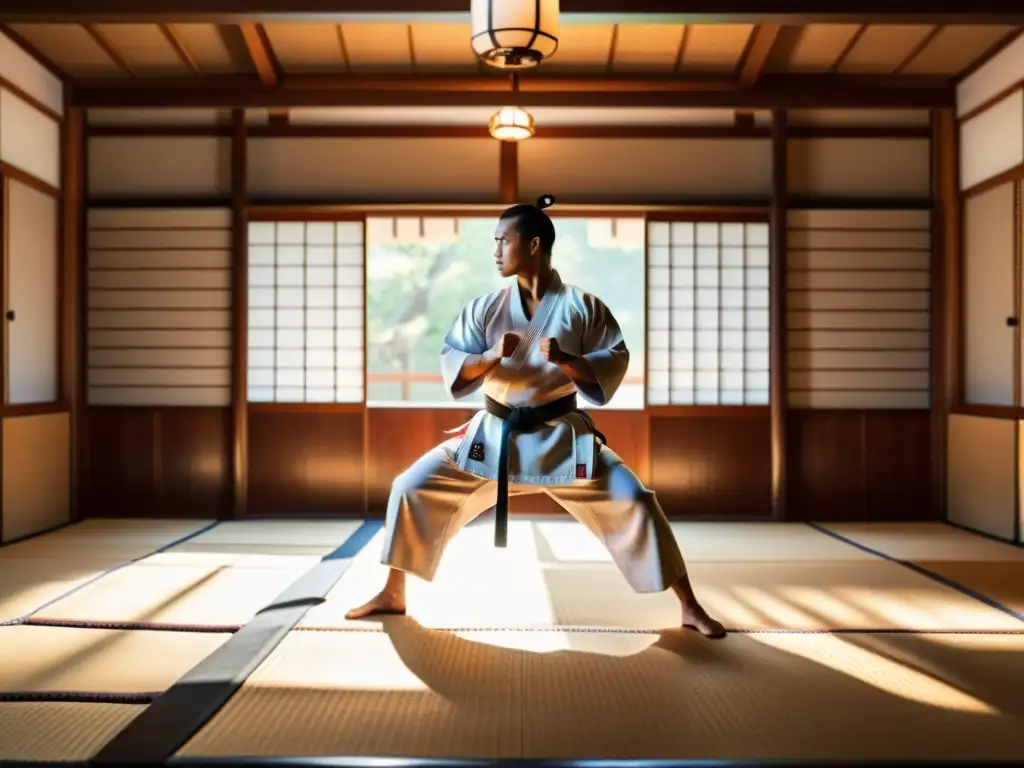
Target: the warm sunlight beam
(882, 673)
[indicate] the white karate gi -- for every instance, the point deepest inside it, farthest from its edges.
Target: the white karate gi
(456, 481)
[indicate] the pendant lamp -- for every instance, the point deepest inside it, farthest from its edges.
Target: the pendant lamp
(511, 124)
(514, 34)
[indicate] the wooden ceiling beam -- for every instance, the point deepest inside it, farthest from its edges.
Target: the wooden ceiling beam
(261, 53)
(258, 47)
(108, 48)
(174, 40)
(770, 91)
(757, 53)
(600, 11)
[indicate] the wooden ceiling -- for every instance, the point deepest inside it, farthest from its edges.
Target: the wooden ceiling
(130, 51)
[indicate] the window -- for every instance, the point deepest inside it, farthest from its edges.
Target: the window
(708, 299)
(421, 272)
(306, 312)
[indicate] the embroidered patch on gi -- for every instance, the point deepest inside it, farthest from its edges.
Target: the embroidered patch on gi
(581, 471)
(476, 451)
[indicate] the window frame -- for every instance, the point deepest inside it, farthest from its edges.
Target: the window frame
(705, 215)
(360, 213)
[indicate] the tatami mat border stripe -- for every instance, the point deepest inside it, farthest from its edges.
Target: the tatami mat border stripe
(984, 534)
(188, 705)
(944, 580)
(78, 697)
(141, 626)
(37, 534)
(24, 618)
(572, 629)
(417, 762)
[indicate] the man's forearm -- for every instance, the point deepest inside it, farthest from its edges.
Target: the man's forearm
(578, 369)
(476, 366)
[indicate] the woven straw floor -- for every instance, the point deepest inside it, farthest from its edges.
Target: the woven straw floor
(847, 643)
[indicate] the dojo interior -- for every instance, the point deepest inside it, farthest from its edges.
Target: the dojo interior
(232, 242)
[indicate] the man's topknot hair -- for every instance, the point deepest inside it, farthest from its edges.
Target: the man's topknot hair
(531, 221)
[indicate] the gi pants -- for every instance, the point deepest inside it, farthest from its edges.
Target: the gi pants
(434, 499)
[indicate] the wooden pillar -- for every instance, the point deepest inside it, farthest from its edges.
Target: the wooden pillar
(946, 331)
(509, 173)
(72, 298)
(239, 313)
(777, 291)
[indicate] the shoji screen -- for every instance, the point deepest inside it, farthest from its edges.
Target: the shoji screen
(32, 257)
(859, 313)
(707, 313)
(988, 296)
(306, 311)
(159, 300)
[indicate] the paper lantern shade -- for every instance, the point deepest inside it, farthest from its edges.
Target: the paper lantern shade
(511, 124)
(514, 34)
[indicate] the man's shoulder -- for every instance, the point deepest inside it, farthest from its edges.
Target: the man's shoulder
(486, 299)
(479, 305)
(581, 297)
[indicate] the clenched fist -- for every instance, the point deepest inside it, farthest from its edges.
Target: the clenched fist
(551, 352)
(506, 346)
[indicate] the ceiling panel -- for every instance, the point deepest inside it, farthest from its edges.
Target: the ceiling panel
(205, 44)
(882, 48)
(715, 47)
(377, 47)
(647, 47)
(954, 49)
(145, 49)
(812, 49)
(443, 47)
(307, 48)
(71, 49)
(582, 48)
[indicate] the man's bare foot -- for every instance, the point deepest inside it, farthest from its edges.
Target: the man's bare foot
(695, 617)
(385, 603)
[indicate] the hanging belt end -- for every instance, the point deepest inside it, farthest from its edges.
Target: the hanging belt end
(501, 531)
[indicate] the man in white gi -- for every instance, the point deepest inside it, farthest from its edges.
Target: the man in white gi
(532, 346)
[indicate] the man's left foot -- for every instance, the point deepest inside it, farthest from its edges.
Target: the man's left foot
(697, 618)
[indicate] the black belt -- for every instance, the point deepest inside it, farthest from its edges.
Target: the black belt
(522, 419)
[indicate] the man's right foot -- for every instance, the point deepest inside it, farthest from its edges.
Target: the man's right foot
(382, 604)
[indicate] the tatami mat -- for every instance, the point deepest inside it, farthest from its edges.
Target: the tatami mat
(27, 583)
(37, 659)
(122, 540)
(222, 577)
(60, 731)
(547, 577)
(180, 588)
(254, 540)
(746, 542)
(990, 568)
(1002, 582)
(412, 691)
(925, 543)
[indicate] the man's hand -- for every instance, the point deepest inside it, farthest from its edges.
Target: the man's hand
(552, 353)
(576, 368)
(476, 366)
(505, 347)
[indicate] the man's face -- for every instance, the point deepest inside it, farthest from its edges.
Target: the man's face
(511, 252)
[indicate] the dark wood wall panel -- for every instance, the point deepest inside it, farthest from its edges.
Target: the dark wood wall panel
(306, 463)
(158, 462)
(855, 465)
(175, 462)
(898, 466)
(398, 437)
(712, 466)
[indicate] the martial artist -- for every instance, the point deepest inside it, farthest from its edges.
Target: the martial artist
(532, 346)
